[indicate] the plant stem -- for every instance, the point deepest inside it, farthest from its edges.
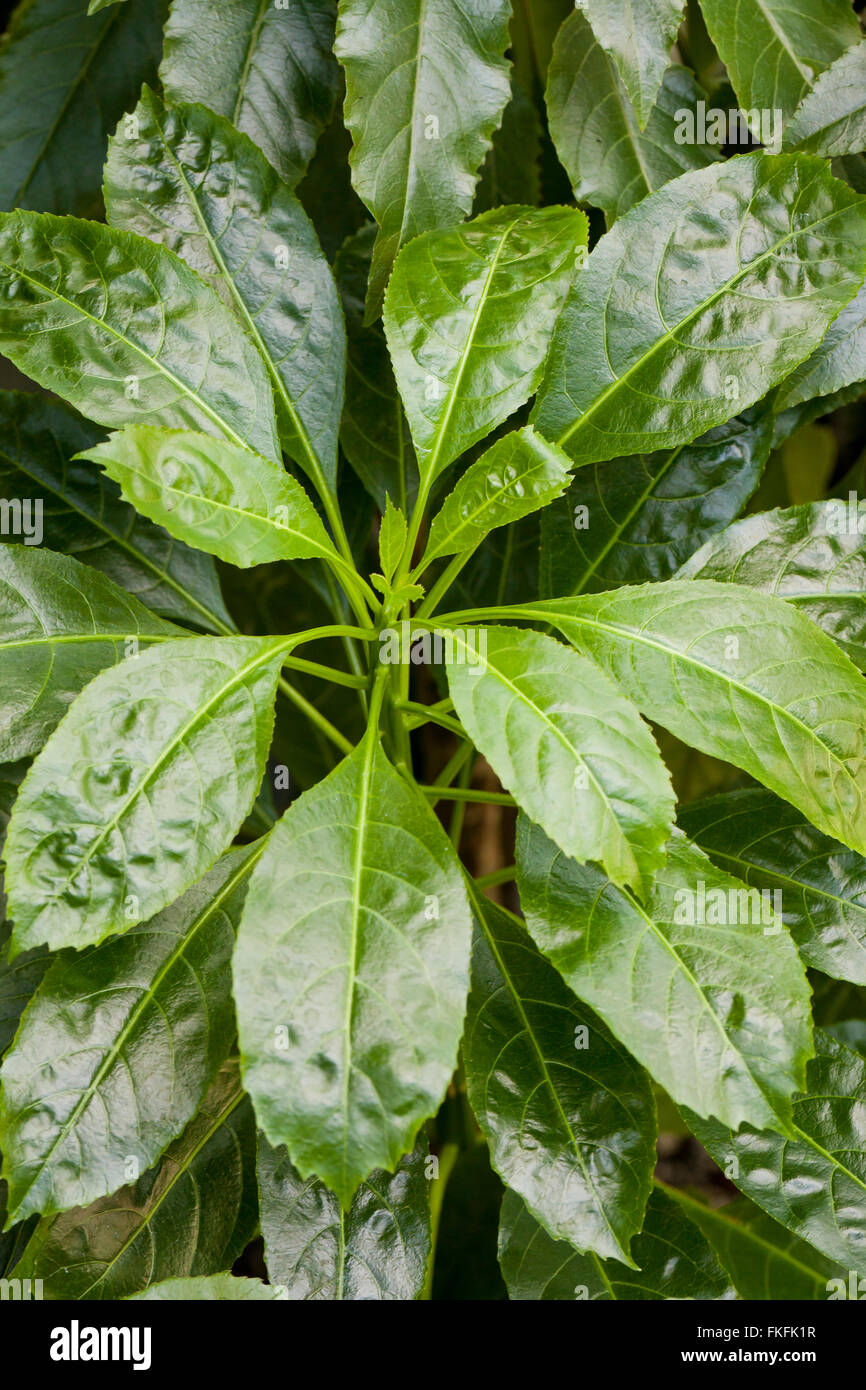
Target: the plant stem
(326, 673)
(448, 1156)
(315, 716)
(424, 714)
(506, 875)
(468, 794)
(444, 582)
(454, 764)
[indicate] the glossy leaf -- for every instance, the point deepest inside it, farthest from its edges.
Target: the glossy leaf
(65, 82)
(224, 499)
(774, 49)
(84, 517)
(19, 978)
(190, 1216)
(639, 43)
(356, 925)
(209, 1288)
(704, 988)
(419, 135)
(636, 519)
(831, 119)
(187, 179)
(141, 788)
(126, 332)
(742, 676)
(60, 624)
(569, 1116)
(511, 173)
(768, 844)
(267, 68)
(839, 361)
(519, 474)
(392, 538)
(611, 161)
(565, 743)
(763, 1260)
(813, 556)
(117, 1049)
(814, 1182)
(377, 1250)
(674, 1261)
(698, 302)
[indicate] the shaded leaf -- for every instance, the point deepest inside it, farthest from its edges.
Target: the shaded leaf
(511, 173)
(839, 361)
(639, 43)
(831, 119)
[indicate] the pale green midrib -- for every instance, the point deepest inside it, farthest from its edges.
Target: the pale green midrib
(341, 1255)
(700, 309)
(578, 1153)
(559, 734)
(176, 954)
(164, 577)
(255, 30)
(782, 37)
(490, 500)
(357, 870)
(46, 639)
(410, 153)
(218, 1121)
(312, 461)
(106, 327)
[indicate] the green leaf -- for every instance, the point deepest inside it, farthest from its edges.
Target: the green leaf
(814, 1182)
(96, 5)
(635, 519)
(519, 474)
(85, 517)
(126, 332)
(356, 926)
(118, 1047)
(392, 539)
(838, 361)
(698, 301)
(19, 978)
(65, 82)
(774, 49)
(639, 42)
(831, 119)
(269, 69)
(813, 556)
(612, 163)
(674, 1261)
(569, 1116)
(187, 179)
(221, 498)
(140, 789)
(565, 743)
(374, 433)
(61, 623)
(763, 1259)
(210, 1288)
(769, 845)
(419, 135)
(378, 1249)
(190, 1216)
(702, 985)
(511, 173)
(468, 318)
(505, 568)
(740, 675)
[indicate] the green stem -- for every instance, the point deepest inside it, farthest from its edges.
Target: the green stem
(428, 714)
(454, 764)
(316, 717)
(326, 673)
(444, 582)
(506, 875)
(447, 1158)
(468, 794)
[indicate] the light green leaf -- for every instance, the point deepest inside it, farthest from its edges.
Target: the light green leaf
(267, 68)
(221, 498)
(356, 926)
(377, 1250)
(702, 985)
(674, 1259)
(85, 518)
(65, 82)
(392, 538)
(698, 302)
(774, 49)
(639, 40)
(831, 119)
(635, 519)
(61, 623)
(612, 163)
(468, 318)
(118, 1047)
(763, 1259)
(19, 978)
(210, 1288)
(191, 1216)
(769, 845)
(838, 361)
(814, 1183)
(126, 332)
(519, 474)
(567, 745)
(569, 1116)
(419, 136)
(813, 556)
(187, 179)
(140, 789)
(740, 675)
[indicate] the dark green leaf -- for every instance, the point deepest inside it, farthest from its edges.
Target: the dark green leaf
(831, 119)
(639, 41)
(838, 361)
(511, 173)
